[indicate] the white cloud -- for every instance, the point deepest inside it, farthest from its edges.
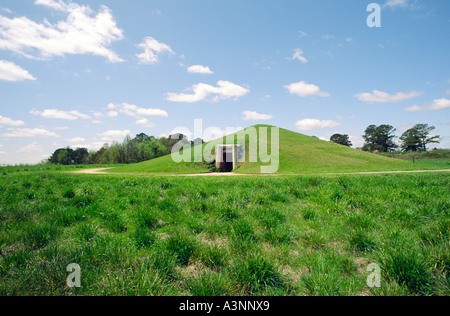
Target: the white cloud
(298, 54)
(82, 33)
(35, 147)
(396, 4)
(134, 111)
(112, 135)
(213, 133)
(112, 114)
(304, 89)
(255, 116)
(98, 115)
(384, 97)
(152, 50)
(10, 122)
(311, 124)
(202, 91)
(62, 115)
(29, 132)
(75, 140)
(438, 104)
(11, 72)
(142, 121)
(58, 5)
(199, 69)
(302, 33)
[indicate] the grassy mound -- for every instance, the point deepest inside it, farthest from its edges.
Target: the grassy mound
(298, 154)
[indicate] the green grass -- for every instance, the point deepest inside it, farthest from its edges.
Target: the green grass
(286, 235)
(299, 154)
(163, 165)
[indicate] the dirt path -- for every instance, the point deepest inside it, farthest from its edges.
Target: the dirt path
(230, 174)
(92, 171)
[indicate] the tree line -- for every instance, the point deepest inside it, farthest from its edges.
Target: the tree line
(141, 148)
(382, 138)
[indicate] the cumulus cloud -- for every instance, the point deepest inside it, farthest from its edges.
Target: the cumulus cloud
(134, 110)
(11, 72)
(304, 89)
(84, 32)
(62, 115)
(223, 90)
(436, 105)
(152, 50)
(112, 114)
(255, 116)
(29, 132)
(58, 5)
(396, 4)
(10, 122)
(75, 140)
(114, 135)
(312, 124)
(35, 147)
(383, 97)
(199, 69)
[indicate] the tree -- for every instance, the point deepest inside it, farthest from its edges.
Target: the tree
(80, 156)
(143, 147)
(379, 138)
(341, 140)
(62, 156)
(99, 155)
(417, 138)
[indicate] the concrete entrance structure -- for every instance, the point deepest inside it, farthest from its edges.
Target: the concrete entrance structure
(226, 157)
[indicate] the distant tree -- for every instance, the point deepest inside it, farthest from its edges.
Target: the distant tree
(341, 140)
(99, 155)
(80, 156)
(417, 138)
(141, 148)
(165, 142)
(113, 154)
(54, 157)
(91, 157)
(62, 156)
(142, 137)
(379, 138)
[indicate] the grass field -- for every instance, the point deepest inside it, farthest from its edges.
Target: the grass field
(285, 235)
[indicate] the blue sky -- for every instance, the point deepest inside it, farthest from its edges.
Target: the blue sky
(86, 73)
